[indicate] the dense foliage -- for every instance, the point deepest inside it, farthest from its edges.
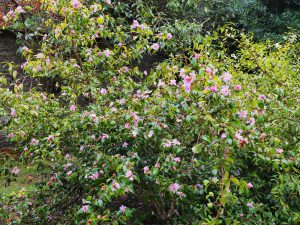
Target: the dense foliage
(207, 134)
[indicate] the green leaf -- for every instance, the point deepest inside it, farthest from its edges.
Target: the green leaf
(197, 149)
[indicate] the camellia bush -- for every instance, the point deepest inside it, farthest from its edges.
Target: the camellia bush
(208, 135)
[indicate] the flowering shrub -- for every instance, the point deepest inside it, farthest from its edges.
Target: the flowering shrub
(204, 137)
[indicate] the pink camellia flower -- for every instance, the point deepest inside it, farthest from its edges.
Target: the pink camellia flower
(85, 208)
(39, 55)
(19, 9)
(243, 114)
(161, 84)
(187, 88)
(72, 108)
(225, 90)
(103, 136)
(75, 4)
(107, 52)
(262, 135)
(50, 138)
(177, 159)
(250, 204)
(69, 173)
(34, 142)
(172, 82)
(127, 126)
(213, 88)
(187, 81)
(142, 27)
(150, 134)
(169, 36)
(135, 24)
(129, 175)
(226, 77)
(146, 170)
(174, 187)
(10, 135)
(196, 55)
(115, 185)
(251, 121)
(237, 87)
(279, 151)
(223, 135)
(155, 46)
(209, 70)
(94, 176)
(13, 113)
(249, 185)
(122, 208)
(15, 170)
(103, 91)
(262, 97)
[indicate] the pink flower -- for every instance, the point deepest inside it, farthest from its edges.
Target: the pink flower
(150, 134)
(161, 83)
(279, 151)
(243, 114)
(122, 208)
(146, 170)
(69, 173)
(72, 108)
(19, 9)
(226, 77)
(94, 176)
(250, 204)
(75, 4)
(187, 81)
(223, 135)
(107, 52)
(251, 121)
(213, 88)
(174, 187)
(157, 165)
(85, 208)
(155, 46)
(196, 56)
(50, 138)
(129, 175)
(225, 90)
(103, 91)
(169, 36)
(15, 170)
(103, 136)
(209, 70)
(13, 113)
(127, 126)
(172, 82)
(39, 55)
(262, 135)
(34, 142)
(249, 185)
(237, 87)
(125, 145)
(115, 185)
(10, 135)
(262, 97)
(187, 88)
(135, 24)
(177, 159)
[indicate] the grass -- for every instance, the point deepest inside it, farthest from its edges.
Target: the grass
(25, 179)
